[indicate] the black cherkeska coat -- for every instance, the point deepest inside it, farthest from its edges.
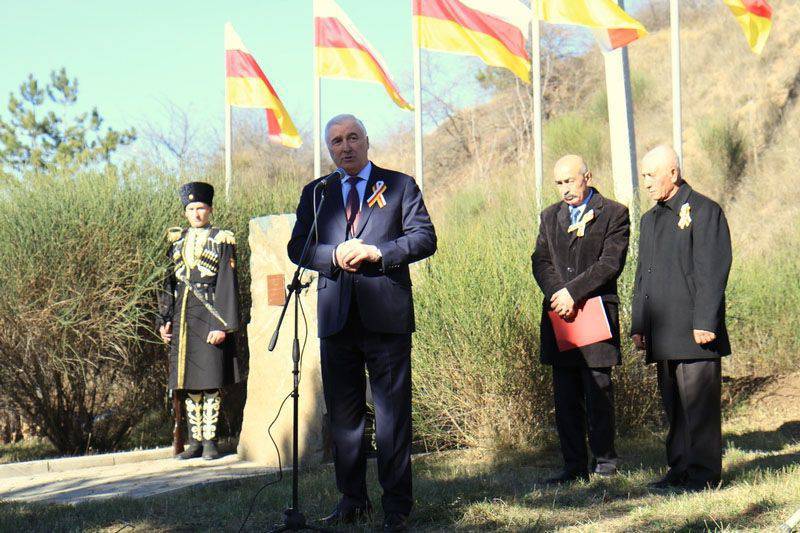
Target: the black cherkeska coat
(681, 278)
(587, 266)
(195, 364)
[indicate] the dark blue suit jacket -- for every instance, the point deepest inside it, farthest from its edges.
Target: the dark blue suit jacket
(402, 231)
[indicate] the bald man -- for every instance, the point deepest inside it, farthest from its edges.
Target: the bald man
(580, 253)
(679, 316)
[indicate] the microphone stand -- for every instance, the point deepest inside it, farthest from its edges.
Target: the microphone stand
(294, 520)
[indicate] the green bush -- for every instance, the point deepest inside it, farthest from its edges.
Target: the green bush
(477, 376)
(726, 149)
(641, 92)
(83, 256)
(574, 133)
(80, 256)
(763, 298)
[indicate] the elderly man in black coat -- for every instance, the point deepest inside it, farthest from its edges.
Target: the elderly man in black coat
(580, 252)
(679, 316)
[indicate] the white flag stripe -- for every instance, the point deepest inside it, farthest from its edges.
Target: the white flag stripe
(330, 9)
(232, 39)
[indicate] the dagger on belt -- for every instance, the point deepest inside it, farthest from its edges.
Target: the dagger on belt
(210, 308)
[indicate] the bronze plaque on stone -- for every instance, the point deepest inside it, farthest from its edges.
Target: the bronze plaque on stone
(276, 290)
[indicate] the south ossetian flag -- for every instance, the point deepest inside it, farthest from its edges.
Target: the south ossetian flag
(493, 30)
(247, 86)
(611, 25)
(342, 52)
(755, 18)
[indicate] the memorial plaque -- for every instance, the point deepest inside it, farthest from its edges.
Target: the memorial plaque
(276, 289)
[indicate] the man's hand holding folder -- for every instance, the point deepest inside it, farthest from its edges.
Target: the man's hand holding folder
(583, 325)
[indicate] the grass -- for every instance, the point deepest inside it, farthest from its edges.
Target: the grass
(485, 490)
(27, 450)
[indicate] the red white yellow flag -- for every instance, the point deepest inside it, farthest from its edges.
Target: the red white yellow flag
(247, 86)
(611, 25)
(342, 52)
(493, 30)
(755, 18)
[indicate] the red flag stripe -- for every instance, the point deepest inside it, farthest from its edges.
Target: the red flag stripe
(759, 8)
(622, 37)
(273, 127)
(330, 33)
(453, 10)
(239, 64)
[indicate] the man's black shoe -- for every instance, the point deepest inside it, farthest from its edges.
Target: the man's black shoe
(395, 522)
(195, 449)
(352, 515)
(670, 480)
(567, 477)
(210, 451)
(605, 469)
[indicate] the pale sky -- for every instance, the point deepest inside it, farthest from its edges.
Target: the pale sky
(130, 57)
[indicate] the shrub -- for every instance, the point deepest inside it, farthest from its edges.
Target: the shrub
(763, 296)
(477, 376)
(573, 133)
(83, 256)
(726, 150)
(641, 92)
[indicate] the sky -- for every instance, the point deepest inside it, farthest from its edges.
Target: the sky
(132, 58)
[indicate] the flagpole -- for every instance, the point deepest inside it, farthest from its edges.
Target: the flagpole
(228, 148)
(677, 123)
(621, 127)
(317, 103)
(317, 125)
(418, 166)
(536, 81)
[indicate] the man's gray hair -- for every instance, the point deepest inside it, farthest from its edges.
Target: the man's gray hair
(341, 119)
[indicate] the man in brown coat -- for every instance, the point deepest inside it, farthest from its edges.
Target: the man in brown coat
(580, 252)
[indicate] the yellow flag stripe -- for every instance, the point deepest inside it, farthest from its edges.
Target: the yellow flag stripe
(756, 29)
(355, 64)
(252, 93)
(589, 13)
(449, 36)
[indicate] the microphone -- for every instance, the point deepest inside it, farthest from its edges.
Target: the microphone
(336, 174)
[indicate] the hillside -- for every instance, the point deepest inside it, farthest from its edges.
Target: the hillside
(729, 96)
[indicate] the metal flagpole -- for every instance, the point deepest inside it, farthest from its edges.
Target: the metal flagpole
(621, 127)
(677, 125)
(418, 166)
(317, 107)
(228, 147)
(536, 81)
(228, 135)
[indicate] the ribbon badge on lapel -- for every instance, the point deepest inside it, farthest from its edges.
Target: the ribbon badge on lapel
(377, 195)
(580, 226)
(685, 216)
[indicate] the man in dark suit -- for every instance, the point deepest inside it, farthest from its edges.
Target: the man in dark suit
(580, 253)
(679, 316)
(373, 224)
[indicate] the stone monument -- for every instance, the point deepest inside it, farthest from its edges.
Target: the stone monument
(269, 380)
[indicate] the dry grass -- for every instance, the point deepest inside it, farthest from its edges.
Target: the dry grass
(481, 490)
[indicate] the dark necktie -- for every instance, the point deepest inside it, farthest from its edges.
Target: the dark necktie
(353, 206)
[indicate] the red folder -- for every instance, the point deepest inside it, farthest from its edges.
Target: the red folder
(589, 326)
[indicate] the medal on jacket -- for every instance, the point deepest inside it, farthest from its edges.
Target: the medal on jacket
(377, 195)
(685, 216)
(580, 227)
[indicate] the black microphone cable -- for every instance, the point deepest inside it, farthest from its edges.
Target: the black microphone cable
(279, 478)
